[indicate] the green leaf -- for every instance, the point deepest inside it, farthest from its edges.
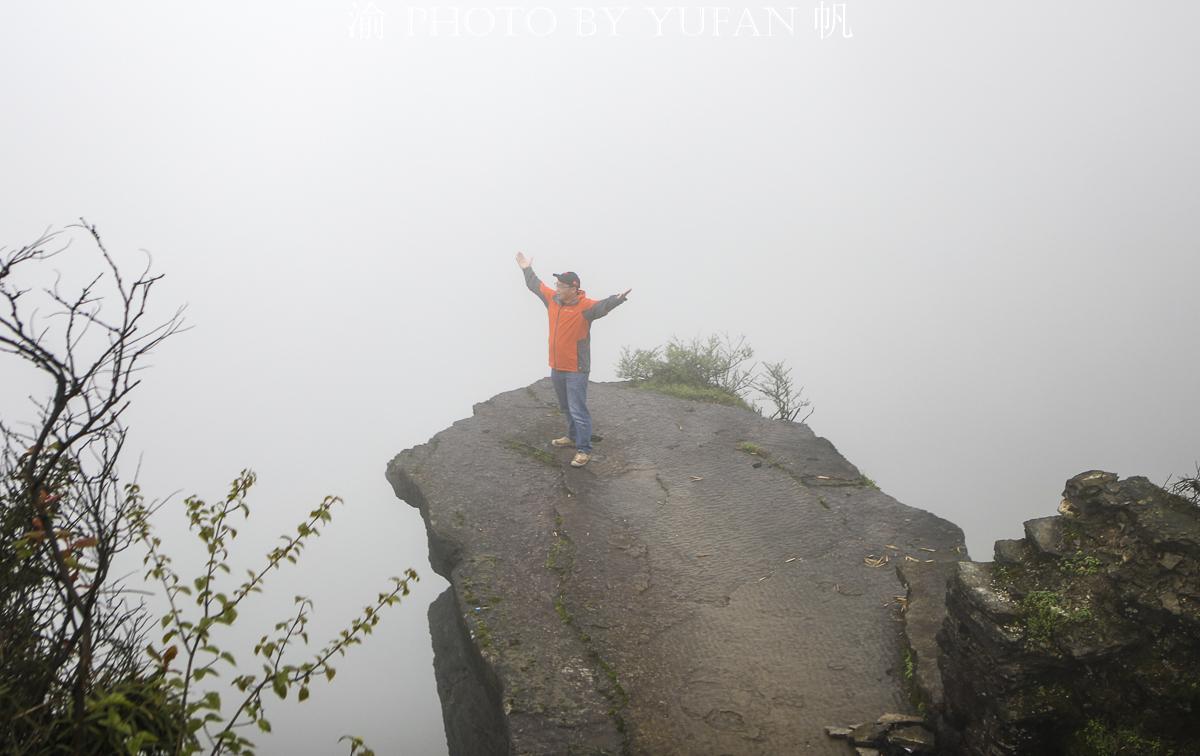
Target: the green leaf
(280, 685)
(264, 725)
(303, 693)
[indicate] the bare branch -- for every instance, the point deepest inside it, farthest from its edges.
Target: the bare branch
(63, 504)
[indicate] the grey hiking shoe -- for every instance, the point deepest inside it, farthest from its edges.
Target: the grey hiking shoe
(561, 442)
(581, 459)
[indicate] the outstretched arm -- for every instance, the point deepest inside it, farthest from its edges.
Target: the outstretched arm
(605, 306)
(542, 291)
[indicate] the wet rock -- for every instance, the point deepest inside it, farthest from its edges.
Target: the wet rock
(1086, 633)
(891, 720)
(1046, 536)
(668, 597)
(869, 734)
(923, 614)
(1011, 551)
(1170, 561)
(890, 735)
(912, 739)
(475, 723)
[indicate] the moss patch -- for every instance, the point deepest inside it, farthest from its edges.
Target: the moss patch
(524, 449)
(560, 558)
(1043, 615)
(705, 394)
(1080, 564)
(1098, 738)
(752, 448)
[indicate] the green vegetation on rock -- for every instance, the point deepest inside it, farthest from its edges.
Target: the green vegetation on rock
(713, 371)
(1080, 564)
(695, 393)
(1096, 738)
(560, 559)
(1043, 616)
(524, 449)
(85, 668)
(752, 448)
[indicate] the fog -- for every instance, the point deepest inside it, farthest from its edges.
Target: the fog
(970, 230)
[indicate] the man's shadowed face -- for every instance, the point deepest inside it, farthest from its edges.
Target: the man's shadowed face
(567, 293)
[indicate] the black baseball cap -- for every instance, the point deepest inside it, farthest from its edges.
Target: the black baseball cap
(570, 278)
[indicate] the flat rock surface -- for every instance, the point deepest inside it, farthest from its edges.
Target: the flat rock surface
(671, 597)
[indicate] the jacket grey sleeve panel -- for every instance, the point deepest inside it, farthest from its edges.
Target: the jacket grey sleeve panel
(535, 285)
(583, 354)
(602, 308)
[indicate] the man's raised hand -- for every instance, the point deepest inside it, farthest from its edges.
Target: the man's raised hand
(524, 261)
(622, 296)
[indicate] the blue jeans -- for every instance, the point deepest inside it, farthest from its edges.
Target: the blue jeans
(572, 400)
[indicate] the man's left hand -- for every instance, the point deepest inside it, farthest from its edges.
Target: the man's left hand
(622, 296)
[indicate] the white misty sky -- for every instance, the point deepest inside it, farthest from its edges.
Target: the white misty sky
(970, 229)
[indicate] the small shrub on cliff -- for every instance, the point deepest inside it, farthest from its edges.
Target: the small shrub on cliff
(71, 660)
(714, 371)
(1187, 487)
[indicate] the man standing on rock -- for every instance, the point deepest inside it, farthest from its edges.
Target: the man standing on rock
(571, 314)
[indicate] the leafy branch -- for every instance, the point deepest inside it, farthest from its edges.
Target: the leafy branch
(212, 525)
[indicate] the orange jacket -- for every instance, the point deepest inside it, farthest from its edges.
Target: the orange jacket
(570, 325)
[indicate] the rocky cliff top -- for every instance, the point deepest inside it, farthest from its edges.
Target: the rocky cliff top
(1084, 636)
(712, 582)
